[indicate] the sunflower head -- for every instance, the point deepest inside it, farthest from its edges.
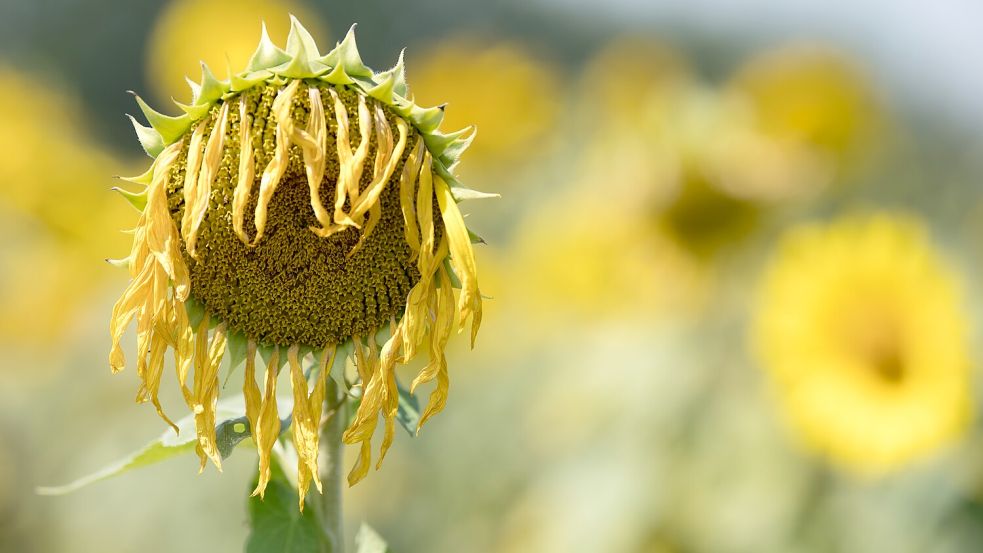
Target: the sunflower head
(861, 328)
(302, 207)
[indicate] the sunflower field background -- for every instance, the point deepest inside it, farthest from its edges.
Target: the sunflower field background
(734, 278)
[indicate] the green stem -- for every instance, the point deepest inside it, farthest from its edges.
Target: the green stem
(331, 477)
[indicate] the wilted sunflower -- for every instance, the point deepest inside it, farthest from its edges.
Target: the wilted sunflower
(861, 328)
(304, 206)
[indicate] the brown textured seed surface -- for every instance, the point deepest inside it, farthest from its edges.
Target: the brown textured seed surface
(295, 287)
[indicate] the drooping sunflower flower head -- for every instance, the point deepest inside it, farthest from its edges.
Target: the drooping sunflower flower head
(304, 206)
(860, 326)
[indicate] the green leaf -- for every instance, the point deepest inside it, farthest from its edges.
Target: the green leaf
(368, 540)
(230, 432)
(277, 524)
(408, 413)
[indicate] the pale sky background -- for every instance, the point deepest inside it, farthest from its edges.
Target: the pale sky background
(923, 51)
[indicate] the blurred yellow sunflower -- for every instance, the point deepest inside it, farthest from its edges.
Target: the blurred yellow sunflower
(860, 325)
(175, 49)
(624, 266)
(630, 75)
(494, 85)
(56, 222)
(696, 158)
(302, 208)
(813, 96)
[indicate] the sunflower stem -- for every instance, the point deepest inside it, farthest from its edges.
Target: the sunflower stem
(331, 450)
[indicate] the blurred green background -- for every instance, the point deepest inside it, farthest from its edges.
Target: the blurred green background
(626, 393)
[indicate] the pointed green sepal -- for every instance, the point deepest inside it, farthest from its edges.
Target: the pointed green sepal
(300, 68)
(237, 347)
(211, 87)
(119, 263)
(137, 199)
(169, 128)
(427, 120)
(195, 89)
(458, 190)
(337, 76)
(438, 142)
(303, 53)
(461, 194)
(266, 353)
(398, 72)
(384, 90)
(455, 280)
(454, 150)
(194, 112)
(277, 80)
(144, 178)
(245, 81)
(267, 54)
(300, 41)
(346, 55)
(196, 312)
(151, 141)
(475, 239)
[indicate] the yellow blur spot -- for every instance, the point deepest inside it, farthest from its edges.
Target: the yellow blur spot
(630, 77)
(578, 259)
(58, 218)
(861, 327)
(219, 33)
(497, 86)
(707, 161)
(816, 96)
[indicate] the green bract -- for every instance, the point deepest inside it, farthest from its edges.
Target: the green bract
(301, 60)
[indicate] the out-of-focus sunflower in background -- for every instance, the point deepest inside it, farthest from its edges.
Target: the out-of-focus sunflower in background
(732, 286)
(55, 195)
(218, 33)
(862, 328)
(500, 86)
